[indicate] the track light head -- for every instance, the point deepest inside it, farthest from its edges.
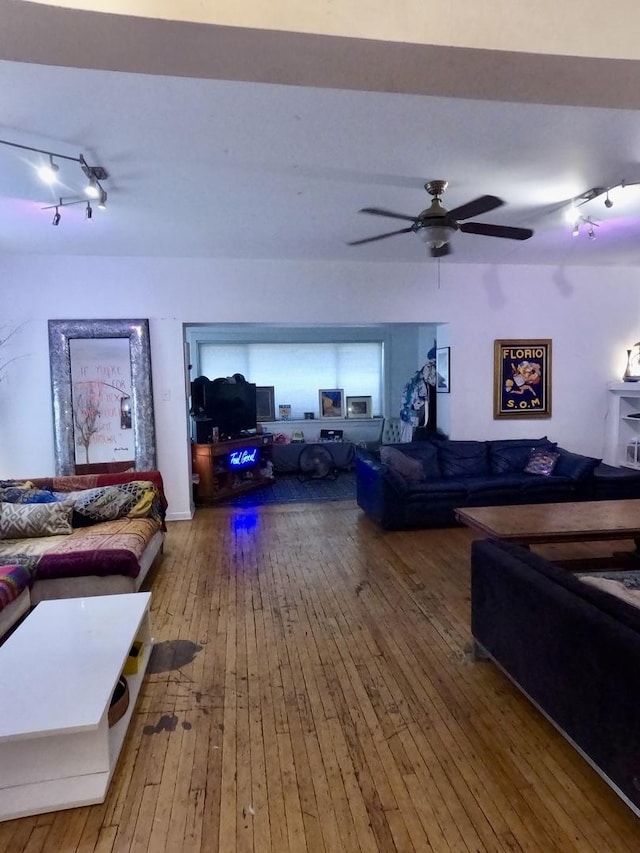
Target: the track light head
(92, 189)
(592, 233)
(89, 211)
(56, 218)
(607, 202)
(576, 229)
(48, 172)
(102, 204)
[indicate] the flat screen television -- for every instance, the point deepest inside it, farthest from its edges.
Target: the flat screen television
(227, 403)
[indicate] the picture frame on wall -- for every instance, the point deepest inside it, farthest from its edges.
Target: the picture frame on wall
(522, 378)
(331, 402)
(265, 403)
(443, 381)
(359, 407)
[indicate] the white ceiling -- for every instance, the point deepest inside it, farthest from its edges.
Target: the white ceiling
(225, 168)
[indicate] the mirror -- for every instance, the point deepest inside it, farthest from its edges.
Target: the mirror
(102, 398)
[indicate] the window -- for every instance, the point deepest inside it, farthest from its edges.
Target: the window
(298, 371)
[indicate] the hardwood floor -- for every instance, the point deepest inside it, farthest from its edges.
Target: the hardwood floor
(312, 690)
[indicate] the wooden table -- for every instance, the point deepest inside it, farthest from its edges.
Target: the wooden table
(582, 521)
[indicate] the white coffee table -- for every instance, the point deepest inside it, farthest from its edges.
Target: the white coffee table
(58, 672)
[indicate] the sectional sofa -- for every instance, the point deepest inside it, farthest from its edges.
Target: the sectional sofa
(571, 643)
(419, 484)
(79, 535)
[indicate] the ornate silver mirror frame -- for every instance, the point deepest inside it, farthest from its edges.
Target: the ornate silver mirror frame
(61, 332)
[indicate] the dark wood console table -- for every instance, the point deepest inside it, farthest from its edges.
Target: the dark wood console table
(229, 468)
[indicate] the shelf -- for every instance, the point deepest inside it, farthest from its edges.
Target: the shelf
(219, 478)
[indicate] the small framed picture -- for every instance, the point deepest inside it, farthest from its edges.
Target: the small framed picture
(284, 411)
(331, 402)
(522, 378)
(359, 407)
(443, 385)
(265, 403)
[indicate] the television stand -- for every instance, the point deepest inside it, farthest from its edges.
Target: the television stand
(228, 468)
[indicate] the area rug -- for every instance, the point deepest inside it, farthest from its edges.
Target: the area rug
(291, 488)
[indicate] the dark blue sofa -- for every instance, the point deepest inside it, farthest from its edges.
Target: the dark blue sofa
(574, 650)
(425, 482)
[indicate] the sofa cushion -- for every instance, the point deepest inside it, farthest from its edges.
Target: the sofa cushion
(427, 454)
(463, 458)
(541, 461)
(410, 468)
(575, 466)
(511, 455)
(13, 581)
(26, 521)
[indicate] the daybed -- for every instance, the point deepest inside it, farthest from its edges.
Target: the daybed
(64, 537)
(419, 484)
(570, 646)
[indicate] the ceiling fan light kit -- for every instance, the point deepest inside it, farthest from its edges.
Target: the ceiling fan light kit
(436, 225)
(49, 174)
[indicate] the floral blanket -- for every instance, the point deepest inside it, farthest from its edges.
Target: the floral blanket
(108, 548)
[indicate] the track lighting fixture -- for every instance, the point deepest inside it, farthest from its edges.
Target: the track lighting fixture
(50, 174)
(607, 202)
(587, 221)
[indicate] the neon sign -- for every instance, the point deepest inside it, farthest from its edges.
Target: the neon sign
(243, 458)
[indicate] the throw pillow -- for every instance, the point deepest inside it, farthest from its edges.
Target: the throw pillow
(22, 495)
(575, 465)
(26, 521)
(398, 461)
(541, 461)
(105, 503)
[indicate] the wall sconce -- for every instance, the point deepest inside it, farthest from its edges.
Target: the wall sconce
(50, 174)
(632, 370)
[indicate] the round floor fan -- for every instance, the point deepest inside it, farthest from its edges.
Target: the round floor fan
(316, 462)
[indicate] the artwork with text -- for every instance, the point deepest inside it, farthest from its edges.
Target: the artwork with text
(523, 382)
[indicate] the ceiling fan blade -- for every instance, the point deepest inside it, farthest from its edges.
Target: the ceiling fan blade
(496, 230)
(379, 211)
(480, 205)
(440, 251)
(379, 237)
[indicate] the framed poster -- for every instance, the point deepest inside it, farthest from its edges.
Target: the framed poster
(522, 378)
(443, 385)
(265, 403)
(331, 402)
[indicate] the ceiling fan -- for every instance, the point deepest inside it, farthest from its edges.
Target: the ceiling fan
(436, 225)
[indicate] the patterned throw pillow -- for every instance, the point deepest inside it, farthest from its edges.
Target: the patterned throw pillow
(105, 503)
(26, 521)
(541, 461)
(22, 495)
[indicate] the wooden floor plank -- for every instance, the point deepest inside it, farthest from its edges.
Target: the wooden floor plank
(317, 694)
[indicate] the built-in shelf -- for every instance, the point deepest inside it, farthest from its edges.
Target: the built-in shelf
(622, 431)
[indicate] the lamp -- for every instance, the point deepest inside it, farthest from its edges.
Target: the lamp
(49, 173)
(436, 236)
